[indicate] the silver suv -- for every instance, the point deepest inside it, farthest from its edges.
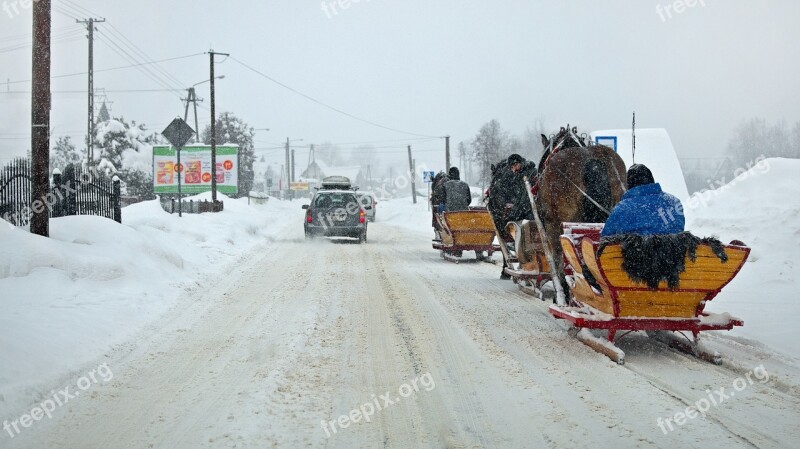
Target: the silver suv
(335, 213)
(369, 203)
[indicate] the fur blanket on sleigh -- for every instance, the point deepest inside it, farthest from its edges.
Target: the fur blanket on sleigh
(651, 259)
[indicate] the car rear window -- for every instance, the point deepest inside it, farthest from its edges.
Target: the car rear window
(328, 200)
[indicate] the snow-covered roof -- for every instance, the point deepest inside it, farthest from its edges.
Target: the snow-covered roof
(349, 172)
(653, 149)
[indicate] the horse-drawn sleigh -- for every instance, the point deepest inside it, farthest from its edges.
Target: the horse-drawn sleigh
(549, 233)
(468, 230)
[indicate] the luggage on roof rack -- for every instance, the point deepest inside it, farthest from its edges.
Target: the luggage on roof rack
(336, 183)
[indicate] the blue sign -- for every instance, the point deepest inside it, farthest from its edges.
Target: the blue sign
(427, 176)
(608, 141)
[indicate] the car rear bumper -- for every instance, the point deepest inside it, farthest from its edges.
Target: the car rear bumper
(336, 231)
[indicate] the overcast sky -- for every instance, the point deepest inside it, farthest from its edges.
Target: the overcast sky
(429, 68)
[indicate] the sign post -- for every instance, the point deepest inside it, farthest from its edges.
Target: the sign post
(178, 133)
(427, 177)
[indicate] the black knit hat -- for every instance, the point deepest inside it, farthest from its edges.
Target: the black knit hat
(515, 159)
(453, 173)
(639, 175)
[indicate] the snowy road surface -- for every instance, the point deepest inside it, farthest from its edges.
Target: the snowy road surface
(299, 334)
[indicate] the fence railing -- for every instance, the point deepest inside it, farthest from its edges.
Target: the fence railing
(74, 192)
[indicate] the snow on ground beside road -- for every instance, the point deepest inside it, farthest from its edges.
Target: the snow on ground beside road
(761, 208)
(67, 299)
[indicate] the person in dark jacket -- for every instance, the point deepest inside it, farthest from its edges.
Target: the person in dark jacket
(645, 208)
(457, 195)
(437, 199)
(437, 196)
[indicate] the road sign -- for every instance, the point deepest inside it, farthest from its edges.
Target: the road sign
(178, 132)
(427, 176)
(299, 186)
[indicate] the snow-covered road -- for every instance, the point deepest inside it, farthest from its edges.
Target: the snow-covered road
(301, 334)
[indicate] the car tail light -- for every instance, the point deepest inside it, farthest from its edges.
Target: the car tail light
(308, 216)
(362, 217)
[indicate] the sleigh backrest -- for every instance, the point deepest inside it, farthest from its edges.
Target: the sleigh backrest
(700, 282)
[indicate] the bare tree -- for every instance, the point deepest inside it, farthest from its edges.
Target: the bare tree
(489, 146)
(755, 137)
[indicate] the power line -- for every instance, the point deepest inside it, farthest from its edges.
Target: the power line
(136, 53)
(114, 68)
(327, 105)
(141, 67)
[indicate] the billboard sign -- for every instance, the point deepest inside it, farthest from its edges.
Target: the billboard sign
(195, 169)
(299, 186)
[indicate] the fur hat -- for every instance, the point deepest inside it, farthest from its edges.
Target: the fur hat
(515, 159)
(453, 173)
(639, 175)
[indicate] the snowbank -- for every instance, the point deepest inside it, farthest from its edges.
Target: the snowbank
(653, 149)
(761, 207)
(67, 299)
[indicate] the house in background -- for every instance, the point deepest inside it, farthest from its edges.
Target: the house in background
(317, 170)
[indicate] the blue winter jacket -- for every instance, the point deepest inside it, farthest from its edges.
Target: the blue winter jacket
(646, 210)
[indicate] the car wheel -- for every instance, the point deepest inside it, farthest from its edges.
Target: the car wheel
(363, 237)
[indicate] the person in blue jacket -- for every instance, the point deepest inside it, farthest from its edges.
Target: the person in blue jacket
(645, 209)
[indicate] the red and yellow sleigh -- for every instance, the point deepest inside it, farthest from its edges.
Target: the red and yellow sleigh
(618, 305)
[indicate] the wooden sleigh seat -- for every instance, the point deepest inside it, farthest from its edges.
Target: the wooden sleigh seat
(468, 230)
(616, 303)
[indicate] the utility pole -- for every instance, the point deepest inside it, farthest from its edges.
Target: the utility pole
(40, 119)
(211, 54)
(191, 97)
(90, 130)
(369, 176)
(412, 175)
(288, 164)
(447, 153)
(293, 168)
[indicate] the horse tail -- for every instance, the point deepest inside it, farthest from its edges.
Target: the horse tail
(598, 187)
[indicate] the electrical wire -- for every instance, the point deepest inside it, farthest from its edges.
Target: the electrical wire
(113, 68)
(308, 97)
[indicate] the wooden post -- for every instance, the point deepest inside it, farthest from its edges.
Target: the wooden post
(115, 200)
(412, 175)
(40, 119)
(561, 298)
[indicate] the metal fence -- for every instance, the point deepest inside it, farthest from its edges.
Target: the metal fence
(74, 192)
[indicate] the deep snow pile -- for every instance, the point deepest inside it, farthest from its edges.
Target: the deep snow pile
(67, 299)
(761, 207)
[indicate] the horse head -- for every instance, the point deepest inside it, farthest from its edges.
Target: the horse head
(565, 138)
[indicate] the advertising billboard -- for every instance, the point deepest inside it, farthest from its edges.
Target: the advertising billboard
(196, 169)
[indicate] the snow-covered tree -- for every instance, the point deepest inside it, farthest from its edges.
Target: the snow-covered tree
(118, 141)
(233, 130)
(755, 137)
(489, 146)
(63, 154)
(330, 154)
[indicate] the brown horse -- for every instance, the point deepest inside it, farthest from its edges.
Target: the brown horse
(578, 182)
